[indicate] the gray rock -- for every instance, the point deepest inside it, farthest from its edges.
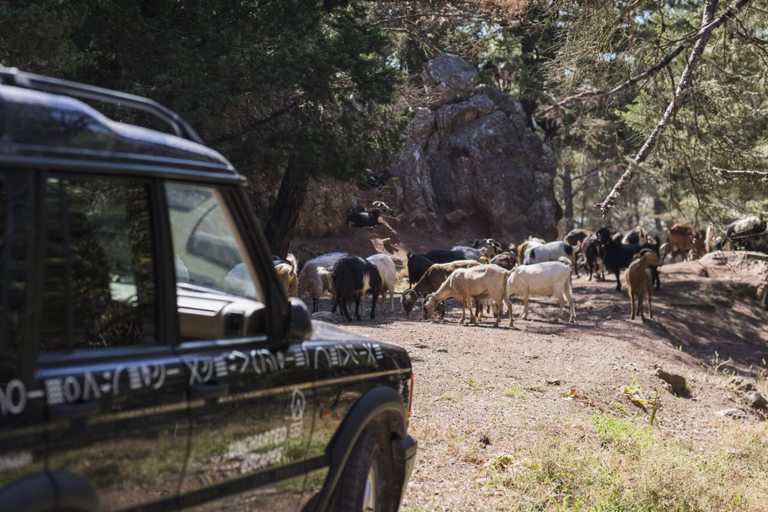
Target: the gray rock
(553, 382)
(449, 78)
(443, 350)
(452, 117)
(473, 152)
(676, 384)
(410, 165)
(755, 400)
(422, 126)
(736, 414)
(456, 217)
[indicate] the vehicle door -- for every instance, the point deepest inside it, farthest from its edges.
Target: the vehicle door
(250, 390)
(115, 391)
(22, 403)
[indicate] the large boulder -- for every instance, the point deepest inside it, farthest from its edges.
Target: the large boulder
(473, 151)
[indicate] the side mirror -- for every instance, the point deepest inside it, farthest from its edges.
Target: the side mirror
(299, 321)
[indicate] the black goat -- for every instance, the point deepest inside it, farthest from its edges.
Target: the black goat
(616, 256)
(352, 277)
(363, 219)
(418, 263)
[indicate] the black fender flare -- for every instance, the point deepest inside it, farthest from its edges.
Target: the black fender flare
(46, 492)
(374, 403)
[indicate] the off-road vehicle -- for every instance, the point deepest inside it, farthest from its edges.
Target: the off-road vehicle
(149, 357)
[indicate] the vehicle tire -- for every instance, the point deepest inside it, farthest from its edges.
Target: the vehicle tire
(366, 483)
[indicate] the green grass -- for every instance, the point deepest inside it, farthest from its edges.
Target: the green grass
(515, 392)
(612, 463)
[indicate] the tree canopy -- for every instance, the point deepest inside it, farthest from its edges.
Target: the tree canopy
(326, 88)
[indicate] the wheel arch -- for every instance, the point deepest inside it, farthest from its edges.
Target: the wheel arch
(381, 407)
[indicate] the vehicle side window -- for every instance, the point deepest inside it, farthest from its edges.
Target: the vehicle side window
(208, 250)
(216, 294)
(99, 282)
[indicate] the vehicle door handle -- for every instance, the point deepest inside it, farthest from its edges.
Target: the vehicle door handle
(208, 390)
(74, 411)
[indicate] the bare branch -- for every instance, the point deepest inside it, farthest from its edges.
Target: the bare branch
(741, 173)
(708, 24)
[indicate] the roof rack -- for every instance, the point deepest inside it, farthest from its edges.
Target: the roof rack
(12, 76)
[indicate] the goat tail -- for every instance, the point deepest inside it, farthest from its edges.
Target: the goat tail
(566, 261)
(291, 259)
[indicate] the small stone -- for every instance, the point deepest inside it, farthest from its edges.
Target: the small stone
(677, 383)
(755, 400)
(553, 382)
(742, 384)
(485, 440)
(443, 350)
(736, 414)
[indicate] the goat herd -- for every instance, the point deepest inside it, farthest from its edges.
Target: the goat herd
(487, 273)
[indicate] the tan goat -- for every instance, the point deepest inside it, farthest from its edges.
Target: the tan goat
(640, 282)
(288, 276)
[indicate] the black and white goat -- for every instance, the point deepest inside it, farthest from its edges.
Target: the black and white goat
(363, 219)
(354, 276)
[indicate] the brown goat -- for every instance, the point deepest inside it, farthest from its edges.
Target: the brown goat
(640, 282)
(431, 281)
(680, 240)
(288, 275)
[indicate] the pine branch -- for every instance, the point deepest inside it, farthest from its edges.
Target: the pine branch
(708, 24)
(705, 31)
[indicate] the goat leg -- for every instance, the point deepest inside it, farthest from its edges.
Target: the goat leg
(357, 307)
(524, 315)
(373, 306)
(344, 309)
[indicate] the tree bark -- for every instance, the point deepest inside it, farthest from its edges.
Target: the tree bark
(285, 213)
(707, 25)
(568, 198)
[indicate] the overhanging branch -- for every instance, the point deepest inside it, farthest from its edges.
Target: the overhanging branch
(708, 24)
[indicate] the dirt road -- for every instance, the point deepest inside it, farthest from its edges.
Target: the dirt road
(548, 415)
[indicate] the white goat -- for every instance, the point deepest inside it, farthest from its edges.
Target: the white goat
(525, 248)
(549, 278)
(310, 281)
(552, 251)
(474, 283)
(388, 274)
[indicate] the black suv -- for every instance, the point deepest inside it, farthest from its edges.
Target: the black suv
(149, 357)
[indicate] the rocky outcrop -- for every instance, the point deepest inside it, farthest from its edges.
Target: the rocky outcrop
(472, 151)
(324, 213)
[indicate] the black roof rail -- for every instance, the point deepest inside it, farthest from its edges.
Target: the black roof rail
(12, 76)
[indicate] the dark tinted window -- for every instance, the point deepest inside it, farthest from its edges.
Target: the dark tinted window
(99, 286)
(16, 356)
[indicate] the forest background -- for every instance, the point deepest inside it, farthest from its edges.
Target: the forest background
(667, 99)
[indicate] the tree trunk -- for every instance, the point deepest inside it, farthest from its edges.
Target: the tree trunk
(285, 213)
(568, 198)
